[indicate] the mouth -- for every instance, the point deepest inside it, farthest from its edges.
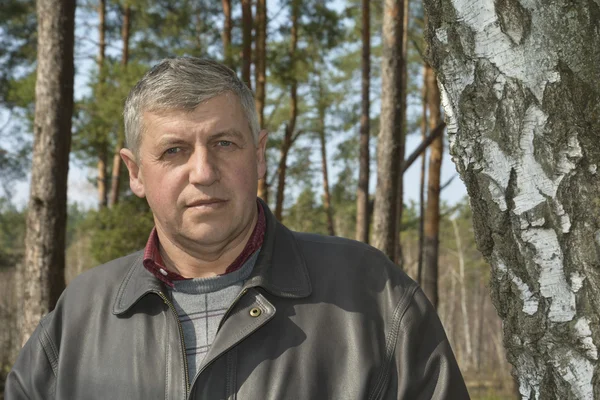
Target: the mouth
(206, 203)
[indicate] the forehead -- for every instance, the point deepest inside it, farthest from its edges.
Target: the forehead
(220, 113)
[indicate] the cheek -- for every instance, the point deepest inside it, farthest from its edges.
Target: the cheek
(163, 191)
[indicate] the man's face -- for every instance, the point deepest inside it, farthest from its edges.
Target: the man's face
(199, 172)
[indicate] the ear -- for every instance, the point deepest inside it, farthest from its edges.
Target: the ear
(261, 154)
(136, 182)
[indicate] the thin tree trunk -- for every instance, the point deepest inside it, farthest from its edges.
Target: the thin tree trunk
(42, 273)
(226, 36)
(391, 130)
(398, 258)
(451, 320)
(463, 293)
(246, 41)
(117, 162)
(480, 325)
(422, 180)
(432, 214)
(326, 194)
(525, 141)
(362, 194)
(101, 164)
(260, 79)
(291, 125)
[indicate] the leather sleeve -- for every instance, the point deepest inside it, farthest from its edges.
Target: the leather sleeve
(424, 364)
(34, 374)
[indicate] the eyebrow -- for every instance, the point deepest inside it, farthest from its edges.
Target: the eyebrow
(169, 140)
(228, 133)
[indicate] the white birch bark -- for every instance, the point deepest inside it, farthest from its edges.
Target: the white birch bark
(520, 82)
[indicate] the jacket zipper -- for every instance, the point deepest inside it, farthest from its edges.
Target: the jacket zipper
(185, 366)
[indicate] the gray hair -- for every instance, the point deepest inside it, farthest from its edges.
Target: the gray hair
(182, 83)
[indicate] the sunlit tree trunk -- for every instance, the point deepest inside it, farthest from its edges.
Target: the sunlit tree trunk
(326, 194)
(291, 125)
(422, 180)
(101, 164)
(117, 162)
(362, 194)
(246, 41)
(398, 258)
(390, 135)
(261, 79)
(522, 98)
(226, 35)
(42, 273)
(432, 213)
(463, 293)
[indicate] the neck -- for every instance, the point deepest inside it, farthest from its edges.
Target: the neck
(207, 261)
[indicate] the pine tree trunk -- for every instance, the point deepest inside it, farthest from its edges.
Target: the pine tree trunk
(432, 214)
(522, 97)
(291, 125)
(398, 258)
(422, 180)
(326, 194)
(246, 41)
(115, 189)
(362, 194)
(42, 273)
(391, 130)
(463, 294)
(101, 164)
(227, 26)
(261, 80)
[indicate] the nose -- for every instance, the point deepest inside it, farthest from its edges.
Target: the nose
(203, 170)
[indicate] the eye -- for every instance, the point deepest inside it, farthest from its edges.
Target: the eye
(224, 143)
(173, 150)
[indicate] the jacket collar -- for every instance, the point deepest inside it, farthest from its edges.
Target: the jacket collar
(280, 269)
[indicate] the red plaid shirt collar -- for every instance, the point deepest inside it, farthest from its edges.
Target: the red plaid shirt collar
(154, 263)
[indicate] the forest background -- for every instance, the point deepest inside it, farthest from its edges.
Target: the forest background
(309, 74)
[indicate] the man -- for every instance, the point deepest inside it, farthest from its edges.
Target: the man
(224, 302)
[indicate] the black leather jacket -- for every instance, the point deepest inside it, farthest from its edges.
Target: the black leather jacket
(319, 318)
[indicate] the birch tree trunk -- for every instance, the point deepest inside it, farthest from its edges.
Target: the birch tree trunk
(362, 193)
(521, 89)
(42, 273)
(389, 140)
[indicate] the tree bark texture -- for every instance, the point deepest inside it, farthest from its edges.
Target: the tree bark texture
(291, 125)
(260, 79)
(521, 90)
(246, 41)
(422, 179)
(326, 193)
(362, 194)
(398, 257)
(391, 130)
(431, 239)
(115, 184)
(42, 273)
(227, 26)
(101, 164)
